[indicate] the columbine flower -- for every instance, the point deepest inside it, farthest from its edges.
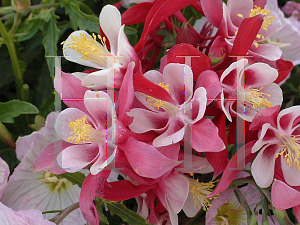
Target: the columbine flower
(86, 133)
(173, 118)
(43, 190)
(248, 90)
(82, 48)
(278, 138)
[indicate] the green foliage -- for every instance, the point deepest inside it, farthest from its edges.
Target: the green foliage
(14, 108)
(75, 178)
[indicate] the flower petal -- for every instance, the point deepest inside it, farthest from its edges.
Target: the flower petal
(254, 78)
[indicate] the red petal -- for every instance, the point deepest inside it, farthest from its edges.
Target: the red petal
(219, 160)
(160, 11)
(141, 84)
(198, 64)
(246, 35)
(137, 13)
(284, 68)
(118, 4)
(231, 170)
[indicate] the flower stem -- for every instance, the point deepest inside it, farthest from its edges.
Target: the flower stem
(60, 216)
(8, 40)
(17, 21)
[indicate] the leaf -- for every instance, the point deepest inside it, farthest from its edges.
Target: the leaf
(130, 30)
(50, 32)
(126, 214)
(75, 178)
(80, 19)
(29, 29)
(102, 217)
(14, 108)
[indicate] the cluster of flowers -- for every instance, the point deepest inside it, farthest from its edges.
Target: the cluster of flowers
(217, 85)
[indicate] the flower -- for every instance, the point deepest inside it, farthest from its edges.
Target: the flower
(88, 134)
(82, 48)
(4, 173)
(22, 217)
(278, 138)
(43, 190)
(248, 90)
(174, 119)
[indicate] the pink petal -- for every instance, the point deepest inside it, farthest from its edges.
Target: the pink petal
(214, 11)
(288, 118)
(126, 96)
(76, 157)
(110, 23)
(145, 120)
(266, 51)
(254, 78)
(106, 156)
(204, 133)
(100, 106)
(142, 157)
(264, 161)
(46, 160)
(70, 89)
(268, 135)
(268, 115)
(284, 196)
(180, 80)
(237, 7)
(210, 81)
(291, 174)
(199, 165)
(197, 104)
(173, 134)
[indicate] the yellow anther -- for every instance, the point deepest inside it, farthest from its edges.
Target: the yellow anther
(290, 148)
(89, 48)
(55, 183)
(199, 192)
(80, 130)
(256, 98)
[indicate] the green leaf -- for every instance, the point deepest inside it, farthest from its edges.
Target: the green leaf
(50, 32)
(75, 178)
(14, 108)
(80, 19)
(126, 214)
(29, 29)
(102, 217)
(130, 30)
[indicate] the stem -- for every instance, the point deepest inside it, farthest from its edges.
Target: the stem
(243, 202)
(49, 5)
(17, 21)
(60, 216)
(14, 58)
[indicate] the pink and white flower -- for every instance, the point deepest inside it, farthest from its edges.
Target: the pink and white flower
(4, 173)
(82, 48)
(174, 119)
(43, 190)
(278, 138)
(247, 90)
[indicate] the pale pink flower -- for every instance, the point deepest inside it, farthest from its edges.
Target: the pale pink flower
(82, 48)
(43, 190)
(278, 137)
(248, 89)
(226, 209)
(22, 217)
(173, 119)
(4, 173)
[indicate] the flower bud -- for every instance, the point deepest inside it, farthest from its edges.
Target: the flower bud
(20, 5)
(186, 35)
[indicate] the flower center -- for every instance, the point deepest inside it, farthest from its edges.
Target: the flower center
(199, 191)
(230, 213)
(267, 19)
(89, 48)
(55, 184)
(168, 107)
(256, 98)
(290, 149)
(83, 132)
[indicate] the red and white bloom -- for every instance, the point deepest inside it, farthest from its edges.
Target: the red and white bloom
(82, 48)
(248, 90)
(279, 137)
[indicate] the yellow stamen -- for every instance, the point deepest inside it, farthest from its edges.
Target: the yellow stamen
(81, 130)
(256, 98)
(199, 192)
(55, 183)
(290, 147)
(89, 48)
